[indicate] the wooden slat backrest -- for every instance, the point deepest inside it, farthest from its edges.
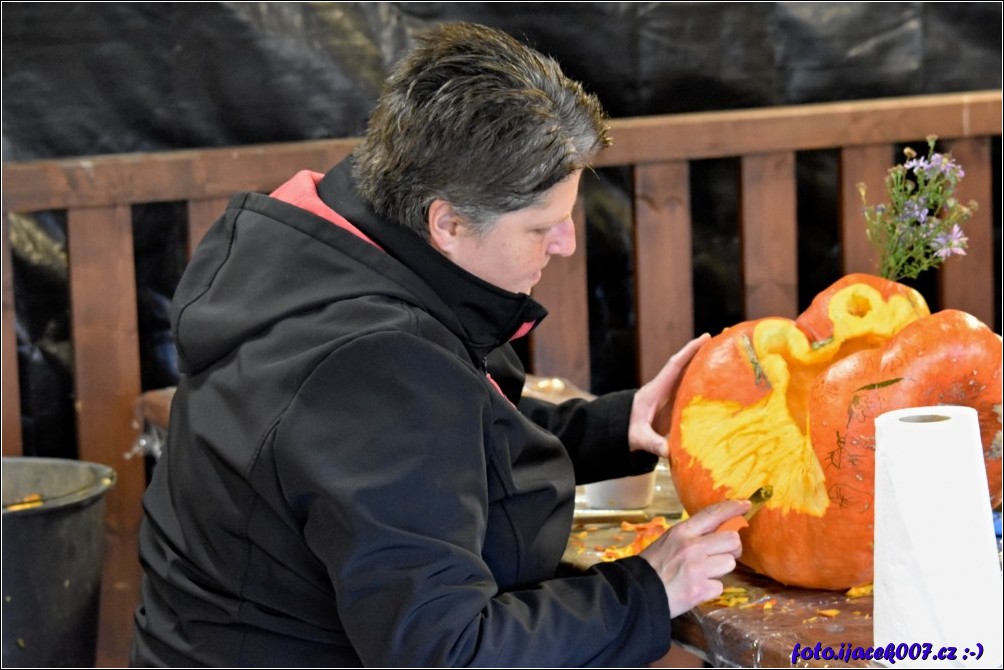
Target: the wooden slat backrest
(98, 193)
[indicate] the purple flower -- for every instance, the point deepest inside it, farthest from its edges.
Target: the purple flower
(935, 166)
(917, 164)
(954, 171)
(952, 242)
(915, 209)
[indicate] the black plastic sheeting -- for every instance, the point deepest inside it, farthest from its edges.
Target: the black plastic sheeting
(95, 78)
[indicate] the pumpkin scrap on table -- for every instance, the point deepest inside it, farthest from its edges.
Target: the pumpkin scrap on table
(646, 533)
(792, 403)
(860, 591)
(741, 598)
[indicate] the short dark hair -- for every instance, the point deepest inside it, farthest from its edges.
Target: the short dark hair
(473, 117)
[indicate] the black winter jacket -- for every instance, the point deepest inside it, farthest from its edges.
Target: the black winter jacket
(348, 478)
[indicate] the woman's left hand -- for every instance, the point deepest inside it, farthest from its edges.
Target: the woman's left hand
(653, 402)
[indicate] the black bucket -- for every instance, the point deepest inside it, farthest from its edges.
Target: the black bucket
(53, 546)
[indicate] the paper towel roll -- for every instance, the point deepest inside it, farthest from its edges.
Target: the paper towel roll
(937, 573)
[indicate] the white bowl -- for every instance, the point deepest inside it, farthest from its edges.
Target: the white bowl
(622, 493)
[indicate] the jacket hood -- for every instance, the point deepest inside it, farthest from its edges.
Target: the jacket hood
(267, 260)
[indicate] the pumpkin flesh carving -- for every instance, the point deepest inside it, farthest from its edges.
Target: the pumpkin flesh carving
(792, 404)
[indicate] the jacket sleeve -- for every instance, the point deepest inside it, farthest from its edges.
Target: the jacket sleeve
(594, 432)
(390, 478)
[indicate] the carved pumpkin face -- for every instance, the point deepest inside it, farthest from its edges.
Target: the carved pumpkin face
(792, 404)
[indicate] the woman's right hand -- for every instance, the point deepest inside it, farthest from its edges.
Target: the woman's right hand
(692, 556)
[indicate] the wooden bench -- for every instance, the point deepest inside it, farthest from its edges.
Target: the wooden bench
(98, 192)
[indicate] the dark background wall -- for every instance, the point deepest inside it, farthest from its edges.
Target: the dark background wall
(86, 78)
(93, 78)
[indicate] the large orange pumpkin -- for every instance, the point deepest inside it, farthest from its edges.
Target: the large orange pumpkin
(792, 404)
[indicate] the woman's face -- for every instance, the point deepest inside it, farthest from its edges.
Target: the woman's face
(513, 253)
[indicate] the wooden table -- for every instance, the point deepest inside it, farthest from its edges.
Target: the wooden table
(757, 622)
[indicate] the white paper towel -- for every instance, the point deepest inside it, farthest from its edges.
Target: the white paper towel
(937, 573)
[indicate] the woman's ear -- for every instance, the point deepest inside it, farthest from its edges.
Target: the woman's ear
(445, 225)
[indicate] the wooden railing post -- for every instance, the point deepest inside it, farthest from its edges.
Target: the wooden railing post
(769, 235)
(107, 367)
(664, 285)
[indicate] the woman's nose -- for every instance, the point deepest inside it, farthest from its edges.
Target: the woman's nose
(562, 241)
